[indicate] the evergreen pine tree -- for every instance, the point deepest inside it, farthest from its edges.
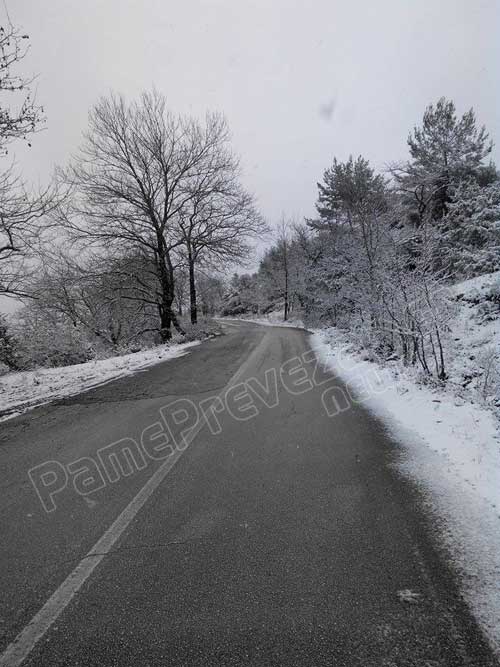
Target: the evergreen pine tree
(469, 233)
(444, 151)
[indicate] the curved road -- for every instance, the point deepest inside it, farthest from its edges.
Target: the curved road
(248, 516)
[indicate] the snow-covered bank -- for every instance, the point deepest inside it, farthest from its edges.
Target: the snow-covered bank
(452, 448)
(274, 319)
(21, 391)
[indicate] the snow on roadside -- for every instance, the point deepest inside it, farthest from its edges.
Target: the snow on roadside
(21, 391)
(477, 285)
(474, 358)
(452, 448)
(273, 319)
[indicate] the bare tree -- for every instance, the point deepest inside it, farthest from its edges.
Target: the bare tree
(100, 295)
(283, 246)
(212, 289)
(20, 210)
(132, 179)
(281, 267)
(181, 281)
(219, 219)
(19, 122)
(20, 215)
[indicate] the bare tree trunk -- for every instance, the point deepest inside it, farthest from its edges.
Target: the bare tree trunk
(167, 319)
(286, 297)
(404, 347)
(166, 278)
(442, 371)
(176, 322)
(192, 289)
(436, 364)
(165, 323)
(285, 266)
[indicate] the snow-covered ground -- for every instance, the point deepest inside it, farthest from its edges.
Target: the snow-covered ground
(476, 339)
(450, 438)
(274, 318)
(21, 391)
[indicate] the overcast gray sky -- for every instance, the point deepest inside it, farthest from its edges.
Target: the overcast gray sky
(300, 81)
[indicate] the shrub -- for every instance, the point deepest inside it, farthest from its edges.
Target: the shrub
(206, 328)
(44, 339)
(9, 355)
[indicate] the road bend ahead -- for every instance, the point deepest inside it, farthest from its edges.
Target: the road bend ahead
(285, 538)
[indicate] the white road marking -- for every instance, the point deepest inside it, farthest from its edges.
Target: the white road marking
(411, 597)
(26, 640)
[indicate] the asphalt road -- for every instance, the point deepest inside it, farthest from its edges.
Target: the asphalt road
(271, 533)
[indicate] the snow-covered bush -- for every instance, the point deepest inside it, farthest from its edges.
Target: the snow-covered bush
(470, 231)
(489, 381)
(48, 340)
(9, 353)
(205, 328)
